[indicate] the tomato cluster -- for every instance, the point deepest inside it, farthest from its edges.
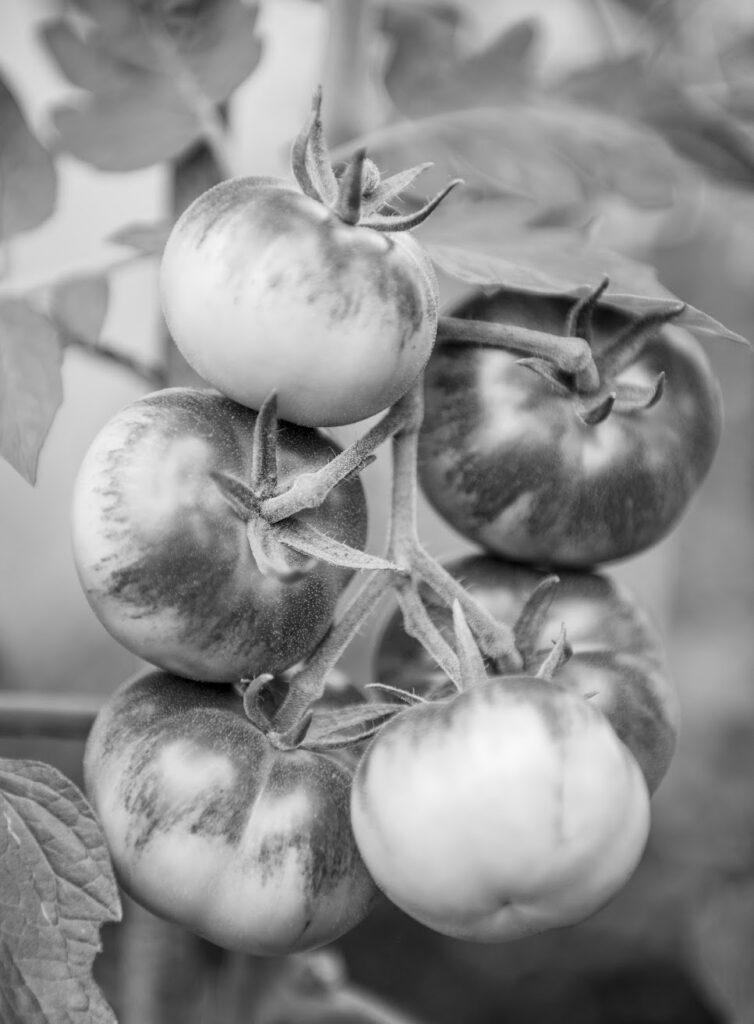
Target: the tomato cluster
(503, 793)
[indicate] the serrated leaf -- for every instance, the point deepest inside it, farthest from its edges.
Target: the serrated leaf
(79, 305)
(149, 239)
(545, 265)
(30, 384)
(151, 72)
(28, 180)
(303, 537)
(56, 890)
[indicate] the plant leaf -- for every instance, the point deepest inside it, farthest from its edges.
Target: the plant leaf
(79, 306)
(554, 151)
(30, 384)
(701, 131)
(544, 264)
(56, 889)
(148, 239)
(149, 70)
(28, 180)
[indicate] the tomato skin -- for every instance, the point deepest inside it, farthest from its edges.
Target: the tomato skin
(618, 660)
(166, 565)
(265, 288)
(501, 812)
(210, 826)
(507, 462)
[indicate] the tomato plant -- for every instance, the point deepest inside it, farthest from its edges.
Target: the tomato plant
(170, 567)
(517, 726)
(505, 810)
(617, 659)
(531, 468)
(211, 826)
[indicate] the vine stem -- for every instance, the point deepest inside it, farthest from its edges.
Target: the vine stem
(571, 355)
(414, 563)
(310, 489)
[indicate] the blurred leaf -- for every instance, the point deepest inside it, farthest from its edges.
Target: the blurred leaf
(150, 70)
(421, 39)
(30, 385)
(79, 306)
(148, 239)
(56, 889)
(722, 933)
(487, 78)
(28, 181)
(700, 130)
(659, 14)
(542, 262)
(551, 151)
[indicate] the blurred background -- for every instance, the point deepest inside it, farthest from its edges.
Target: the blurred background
(667, 179)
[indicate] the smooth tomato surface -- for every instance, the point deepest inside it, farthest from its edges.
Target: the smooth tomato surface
(264, 288)
(503, 811)
(165, 562)
(618, 661)
(210, 826)
(506, 460)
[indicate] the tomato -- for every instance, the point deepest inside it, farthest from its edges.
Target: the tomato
(617, 661)
(266, 288)
(506, 459)
(503, 811)
(165, 562)
(211, 826)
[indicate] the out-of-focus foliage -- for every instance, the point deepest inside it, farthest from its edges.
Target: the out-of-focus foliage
(30, 387)
(28, 183)
(153, 73)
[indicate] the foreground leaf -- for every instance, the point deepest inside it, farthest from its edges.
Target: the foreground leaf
(28, 181)
(153, 73)
(56, 889)
(30, 384)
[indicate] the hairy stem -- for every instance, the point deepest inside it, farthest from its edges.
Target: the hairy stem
(570, 355)
(308, 684)
(309, 490)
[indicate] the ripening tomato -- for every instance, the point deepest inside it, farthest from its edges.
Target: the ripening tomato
(618, 661)
(166, 562)
(265, 288)
(211, 826)
(508, 459)
(503, 811)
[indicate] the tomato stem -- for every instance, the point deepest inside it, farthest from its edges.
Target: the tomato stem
(571, 355)
(472, 670)
(309, 490)
(308, 684)
(348, 205)
(495, 638)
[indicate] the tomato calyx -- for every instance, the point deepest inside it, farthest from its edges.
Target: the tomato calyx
(357, 194)
(320, 728)
(287, 549)
(607, 392)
